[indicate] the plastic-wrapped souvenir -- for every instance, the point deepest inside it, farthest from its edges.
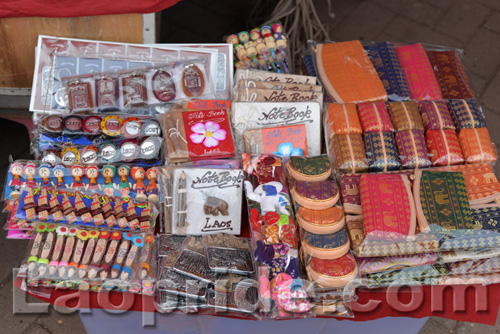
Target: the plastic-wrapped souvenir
(444, 148)
(374, 117)
(342, 119)
(477, 146)
(349, 153)
(436, 115)
(381, 150)
(466, 114)
(412, 149)
(405, 116)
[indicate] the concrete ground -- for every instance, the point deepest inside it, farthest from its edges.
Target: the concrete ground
(471, 25)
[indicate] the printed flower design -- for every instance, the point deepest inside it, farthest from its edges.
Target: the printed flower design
(62, 230)
(138, 241)
(209, 134)
(72, 232)
(51, 227)
(116, 235)
(82, 235)
(93, 234)
(105, 234)
(41, 227)
(287, 150)
(150, 238)
(128, 236)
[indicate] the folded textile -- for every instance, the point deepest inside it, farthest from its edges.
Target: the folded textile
(374, 117)
(444, 148)
(436, 115)
(388, 206)
(381, 150)
(412, 149)
(349, 153)
(385, 60)
(397, 262)
(441, 201)
(450, 74)
(477, 146)
(426, 274)
(339, 63)
(418, 72)
(405, 116)
(466, 114)
(480, 180)
(342, 119)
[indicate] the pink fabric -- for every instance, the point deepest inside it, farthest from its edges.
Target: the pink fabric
(418, 72)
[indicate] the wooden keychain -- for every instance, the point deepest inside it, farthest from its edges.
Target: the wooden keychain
(120, 214)
(100, 250)
(30, 171)
(68, 251)
(36, 249)
(138, 174)
(81, 236)
(281, 43)
(124, 185)
(16, 170)
(137, 244)
(249, 46)
(146, 253)
(145, 218)
(62, 232)
(29, 205)
(108, 212)
(122, 254)
(270, 45)
(68, 209)
(55, 208)
(87, 255)
(43, 261)
(96, 211)
(239, 50)
(76, 172)
(108, 172)
(110, 255)
(261, 48)
(43, 207)
(81, 209)
(58, 172)
(92, 173)
(152, 189)
(132, 216)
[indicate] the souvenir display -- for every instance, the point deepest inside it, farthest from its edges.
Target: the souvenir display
(260, 115)
(195, 135)
(384, 58)
(405, 195)
(281, 141)
(338, 63)
(206, 201)
(418, 72)
(450, 74)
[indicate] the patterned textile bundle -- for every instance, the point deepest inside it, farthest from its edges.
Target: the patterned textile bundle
(342, 119)
(436, 115)
(339, 63)
(374, 117)
(385, 60)
(476, 145)
(444, 148)
(349, 153)
(450, 74)
(405, 116)
(466, 114)
(412, 149)
(381, 150)
(388, 207)
(418, 72)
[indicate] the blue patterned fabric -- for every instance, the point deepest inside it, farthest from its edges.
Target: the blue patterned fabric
(466, 114)
(386, 63)
(376, 145)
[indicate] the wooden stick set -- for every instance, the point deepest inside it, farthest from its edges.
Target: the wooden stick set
(66, 254)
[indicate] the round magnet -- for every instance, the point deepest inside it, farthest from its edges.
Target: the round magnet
(151, 128)
(72, 123)
(92, 125)
(332, 273)
(131, 127)
(149, 148)
(108, 152)
(52, 123)
(70, 156)
(88, 155)
(111, 125)
(163, 86)
(51, 157)
(129, 150)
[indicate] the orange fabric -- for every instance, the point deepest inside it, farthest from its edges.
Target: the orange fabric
(476, 145)
(342, 119)
(347, 73)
